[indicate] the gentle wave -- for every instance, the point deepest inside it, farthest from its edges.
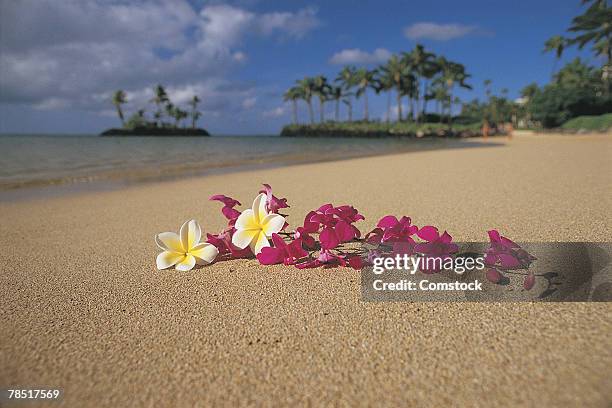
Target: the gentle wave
(37, 160)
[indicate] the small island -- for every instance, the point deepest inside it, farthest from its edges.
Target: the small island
(138, 124)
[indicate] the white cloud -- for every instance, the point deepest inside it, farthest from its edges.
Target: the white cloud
(438, 32)
(74, 53)
(296, 25)
(275, 113)
(357, 56)
(249, 103)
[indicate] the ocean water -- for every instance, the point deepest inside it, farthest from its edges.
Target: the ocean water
(44, 160)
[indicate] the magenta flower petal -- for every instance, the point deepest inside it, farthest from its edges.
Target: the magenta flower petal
(428, 233)
(494, 236)
(355, 262)
(344, 232)
(529, 281)
(445, 238)
(388, 221)
(270, 256)
(328, 238)
(295, 250)
(493, 275)
(508, 261)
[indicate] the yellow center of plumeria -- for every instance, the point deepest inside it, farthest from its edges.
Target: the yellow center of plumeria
(184, 251)
(256, 225)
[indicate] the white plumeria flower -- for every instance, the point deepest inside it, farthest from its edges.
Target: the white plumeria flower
(255, 225)
(184, 251)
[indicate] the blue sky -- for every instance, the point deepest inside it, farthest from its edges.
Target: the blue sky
(60, 61)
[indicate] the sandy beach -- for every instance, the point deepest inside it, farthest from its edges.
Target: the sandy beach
(83, 307)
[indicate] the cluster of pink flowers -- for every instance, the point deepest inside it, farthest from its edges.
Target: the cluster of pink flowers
(322, 240)
(504, 255)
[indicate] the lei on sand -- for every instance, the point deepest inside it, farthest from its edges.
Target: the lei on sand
(324, 239)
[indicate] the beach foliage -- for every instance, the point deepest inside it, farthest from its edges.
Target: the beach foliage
(418, 76)
(164, 109)
(592, 123)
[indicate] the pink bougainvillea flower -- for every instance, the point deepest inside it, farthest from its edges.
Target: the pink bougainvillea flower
(282, 252)
(328, 258)
(304, 236)
(438, 245)
(223, 242)
(390, 229)
(395, 230)
(374, 237)
(436, 250)
(493, 275)
(273, 203)
(228, 207)
(505, 254)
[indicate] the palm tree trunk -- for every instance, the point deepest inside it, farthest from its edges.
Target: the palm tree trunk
(450, 107)
(294, 112)
(399, 105)
(424, 97)
(337, 113)
(120, 113)
(411, 115)
(388, 106)
(365, 106)
(310, 112)
(350, 111)
(322, 110)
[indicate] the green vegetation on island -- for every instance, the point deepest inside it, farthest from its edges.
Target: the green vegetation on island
(589, 123)
(168, 118)
(414, 79)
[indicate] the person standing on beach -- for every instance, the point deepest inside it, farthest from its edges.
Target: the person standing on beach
(485, 129)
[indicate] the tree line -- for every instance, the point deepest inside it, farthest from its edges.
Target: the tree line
(165, 108)
(419, 76)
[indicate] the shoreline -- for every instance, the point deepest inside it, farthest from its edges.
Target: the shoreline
(124, 178)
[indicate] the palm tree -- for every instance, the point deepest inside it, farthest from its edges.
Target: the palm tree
(364, 79)
(293, 94)
(556, 44)
(440, 94)
(160, 97)
(321, 89)
(195, 115)
(453, 73)
(346, 79)
(410, 89)
(336, 93)
(395, 69)
(421, 63)
(170, 110)
(307, 89)
(384, 83)
(594, 27)
(119, 99)
(180, 114)
(349, 107)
